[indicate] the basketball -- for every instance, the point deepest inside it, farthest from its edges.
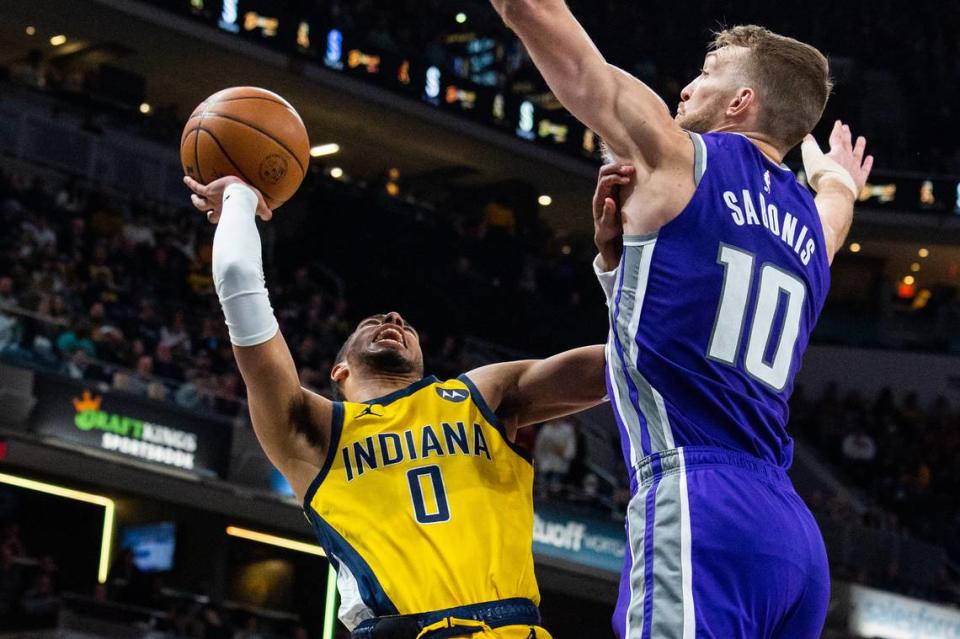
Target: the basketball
(251, 133)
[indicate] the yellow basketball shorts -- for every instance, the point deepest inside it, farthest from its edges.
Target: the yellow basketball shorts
(479, 630)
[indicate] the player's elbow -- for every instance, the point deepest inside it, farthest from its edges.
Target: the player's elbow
(518, 14)
(236, 275)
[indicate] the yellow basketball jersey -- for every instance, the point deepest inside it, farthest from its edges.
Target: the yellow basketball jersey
(423, 504)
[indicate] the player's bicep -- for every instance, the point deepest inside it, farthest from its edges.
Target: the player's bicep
(639, 124)
(531, 391)
(291, 423)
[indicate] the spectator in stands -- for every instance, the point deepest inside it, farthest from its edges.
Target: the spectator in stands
(174, 335)
(164, 364)
(859, 449)
(40, 602)
(250, 630)
(11, 580)
(136, 381)
(555, 448)
(127, 583)
(77, 337)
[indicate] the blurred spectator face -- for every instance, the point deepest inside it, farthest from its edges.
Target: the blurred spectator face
(96, 311)
(6, 286)
(79, 358)
(164, 353)
(145, 366)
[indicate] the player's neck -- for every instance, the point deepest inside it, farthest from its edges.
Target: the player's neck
(379, 384)
(761, 141)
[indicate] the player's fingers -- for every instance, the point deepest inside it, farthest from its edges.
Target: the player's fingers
(867, 167)
(609, 208)
(213, 217)
(859, 148)
(200, 203)
(835, 134)
(194, 186)
(846, 138)
(611, 182)
(607, 169)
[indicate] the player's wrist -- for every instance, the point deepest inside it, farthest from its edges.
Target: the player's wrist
(243, 193)
(840, 184)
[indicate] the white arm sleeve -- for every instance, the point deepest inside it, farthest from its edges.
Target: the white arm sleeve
(607, 279)
(238, 270)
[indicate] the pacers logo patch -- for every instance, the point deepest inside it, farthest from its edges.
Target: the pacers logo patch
(455, 395)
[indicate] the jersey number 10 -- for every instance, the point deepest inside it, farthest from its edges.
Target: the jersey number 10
(775, 283)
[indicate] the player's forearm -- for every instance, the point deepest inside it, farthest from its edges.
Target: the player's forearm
(238, 270)
(835, 205)
(632, 119)
(570, 63)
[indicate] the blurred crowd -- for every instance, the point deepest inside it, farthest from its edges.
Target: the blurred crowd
(110, 293)
(901, 453)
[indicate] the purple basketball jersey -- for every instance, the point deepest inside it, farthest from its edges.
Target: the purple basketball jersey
(709, 319)
(711, 315)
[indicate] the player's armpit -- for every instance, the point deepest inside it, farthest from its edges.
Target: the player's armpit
(291, 423)
(528, 392)
(632, 119)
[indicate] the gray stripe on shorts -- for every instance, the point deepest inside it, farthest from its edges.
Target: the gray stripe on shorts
(667, 617)
(636, 520)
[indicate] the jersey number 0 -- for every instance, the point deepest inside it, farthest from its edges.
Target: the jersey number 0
(429, 478)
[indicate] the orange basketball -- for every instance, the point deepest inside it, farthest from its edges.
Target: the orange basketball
(251, 133)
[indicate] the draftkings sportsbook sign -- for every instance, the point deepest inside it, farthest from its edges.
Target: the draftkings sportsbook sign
(131, 427)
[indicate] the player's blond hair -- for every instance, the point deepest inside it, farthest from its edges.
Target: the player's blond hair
(792, 80)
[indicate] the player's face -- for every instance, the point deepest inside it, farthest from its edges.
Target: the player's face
(387, 343)
(703, 102)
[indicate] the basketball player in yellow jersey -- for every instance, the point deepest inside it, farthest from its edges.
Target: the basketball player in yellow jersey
(412, 484)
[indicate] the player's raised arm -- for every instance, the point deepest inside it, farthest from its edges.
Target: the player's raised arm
(291, 423)
(531, 391)
(632, 119)
(837, 177)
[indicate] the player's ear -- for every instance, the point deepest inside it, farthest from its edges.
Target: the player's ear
(742, 101)
(340, 372)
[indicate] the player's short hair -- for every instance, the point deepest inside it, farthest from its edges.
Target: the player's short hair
(792, 79)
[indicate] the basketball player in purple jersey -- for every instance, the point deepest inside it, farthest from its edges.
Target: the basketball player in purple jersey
(724, 270)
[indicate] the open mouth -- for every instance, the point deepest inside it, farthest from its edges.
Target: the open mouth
(388, 335)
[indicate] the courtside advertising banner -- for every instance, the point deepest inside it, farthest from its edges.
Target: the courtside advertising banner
(875, 613)
(572, 537)
(129, 426)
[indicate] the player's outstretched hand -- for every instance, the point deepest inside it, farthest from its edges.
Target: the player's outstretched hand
(843, 152)
(209, 198)
(607, 221)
